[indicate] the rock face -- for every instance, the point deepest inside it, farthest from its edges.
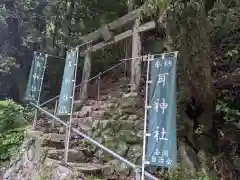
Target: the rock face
(26, 164)
(118, 124)
(35, 162)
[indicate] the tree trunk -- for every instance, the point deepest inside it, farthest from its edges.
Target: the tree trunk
(136, 62)
(14, 28)
(66, 24)
(196, 92)
(85, 76)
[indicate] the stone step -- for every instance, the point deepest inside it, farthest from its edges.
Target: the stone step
(74, 155)
(89, 113)
(49, 139)
(54, 137)
(47, 129)
(85, 128)
(90, 102)
(34, 133)
(80, 121)
(83, 167)
(47, 122)
(123, 124)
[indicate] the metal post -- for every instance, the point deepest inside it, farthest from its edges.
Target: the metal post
(39, 93)
(35, 119)
(125, 70)
(55, 113)
(98, 88)
(145, 117)
(68, 128)
(138, 174)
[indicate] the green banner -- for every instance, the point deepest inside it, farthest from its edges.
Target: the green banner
(35, 79)
(66, 94)
(161, 139)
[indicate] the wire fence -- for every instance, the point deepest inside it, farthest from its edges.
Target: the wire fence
(114, 79)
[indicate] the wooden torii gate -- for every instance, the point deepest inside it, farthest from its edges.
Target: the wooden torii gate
(105, 36)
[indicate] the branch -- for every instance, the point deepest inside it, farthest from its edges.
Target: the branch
(229, 79)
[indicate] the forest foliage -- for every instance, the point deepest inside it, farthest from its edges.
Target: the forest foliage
(207, 34)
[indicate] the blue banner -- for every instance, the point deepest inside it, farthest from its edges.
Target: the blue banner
(66, 94)
(161, 140)
(35, 79)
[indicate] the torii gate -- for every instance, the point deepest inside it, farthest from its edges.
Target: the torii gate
(105, 36)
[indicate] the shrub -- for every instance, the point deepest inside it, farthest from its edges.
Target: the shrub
(11, 116)
(12, 123)
(184, 174)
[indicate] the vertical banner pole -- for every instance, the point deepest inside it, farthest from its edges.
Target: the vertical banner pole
(138, 174)
(68, 128)
(36, 110)
(55, 113)
(40, 89)
(145, 117)
(125, 70)
(98, 88)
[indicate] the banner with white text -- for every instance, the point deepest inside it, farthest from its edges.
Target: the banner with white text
(35, 79)
(161, 140)
(65, 99)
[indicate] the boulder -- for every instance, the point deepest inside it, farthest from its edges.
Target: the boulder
(122, 148)
(119, 167)
(60, 172)
(97, 114)
(139, 125)
(124, 117)
(134, 152)
(133, 117)
(83, 112)
(130, 137)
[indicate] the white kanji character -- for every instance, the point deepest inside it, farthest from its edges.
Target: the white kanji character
(62, 110)
(156, 134)
(35, 76)
(65, 96)
(168, 161)
(158, 64)
(67, 80)
(168, 63)
(165, 153)
(156, 105)
(38, 65)
(157, 152)
(162, 78)
(161, 160)
(33, 89)
(69, 64)
(154, 159)
(69, 55)
(163, 105)
(33, 97)
(163, 134)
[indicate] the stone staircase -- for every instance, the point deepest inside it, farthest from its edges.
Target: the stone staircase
(113, 121)
(79, 158)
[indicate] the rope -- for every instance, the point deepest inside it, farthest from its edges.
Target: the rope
(79, 85)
